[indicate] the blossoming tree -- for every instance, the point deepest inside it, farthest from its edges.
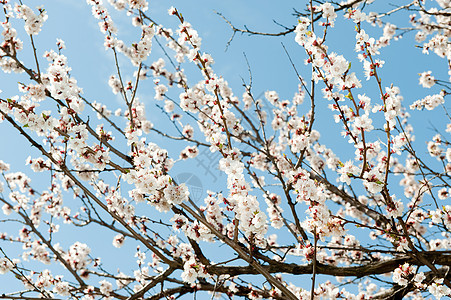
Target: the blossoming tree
(296, 217)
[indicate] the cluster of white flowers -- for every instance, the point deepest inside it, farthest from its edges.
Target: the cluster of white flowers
(118, 4)
(427, 80)
(438, 289)
(237, 213)
(38, 164)
(429, 102)
(439, 42)
(78, 256)
(138, 4)
(188, 35)
(158, 69)
(176, 194)
(115, 84)
(444, 193)
(435, 149)
(441, 216)
(98, 157)
(252, 221)
(4, 167)
(119, 205)
(25, 114)
(102, 111)
(137, 52)
(301, 31)
(105, 287)
(33, 22)
(194, 99)
(347, 171)
(62, 288)
(392, 106)
(193, 270)
(152, 182)
(10, 44)
(140, 51)
(374, 180)
(402, 274)
(106, 24)
(274, 210)
(328, 12)
(37, 250)
(5, 265)
(395, 208)
(363, 122)
(189, 152)
(160, 90)
(60, 84)
(118, 240)
(214, 213)
(312, 193)
(35, 92)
